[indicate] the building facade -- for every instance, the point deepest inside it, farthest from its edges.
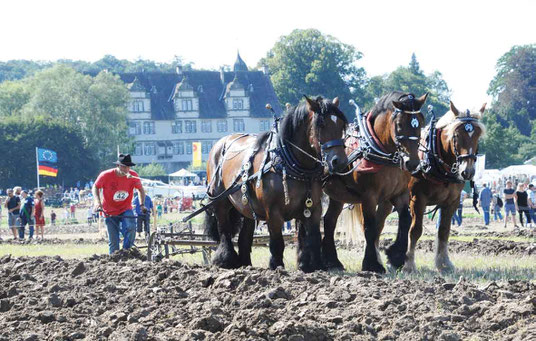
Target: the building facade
(168, 112)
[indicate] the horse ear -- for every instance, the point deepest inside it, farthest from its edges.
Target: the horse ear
(453, 109)
(483, 108)
(422, 99)
(336, 102)
(311, 104)
(398, 105)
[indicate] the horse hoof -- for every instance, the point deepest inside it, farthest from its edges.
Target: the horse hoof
(230, 261)
(378, 268)
(274, 265)
(333, 265)
(395, 258)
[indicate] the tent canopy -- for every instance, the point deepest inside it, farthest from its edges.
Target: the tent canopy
(529, 170)
(183, 173)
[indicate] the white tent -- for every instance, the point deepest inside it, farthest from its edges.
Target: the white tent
(183, 173)
(516, 170)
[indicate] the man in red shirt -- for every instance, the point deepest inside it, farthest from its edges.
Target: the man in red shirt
(117, 186)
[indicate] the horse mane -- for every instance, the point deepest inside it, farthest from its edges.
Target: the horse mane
(385, 103)
(297, 115)
(449, 122)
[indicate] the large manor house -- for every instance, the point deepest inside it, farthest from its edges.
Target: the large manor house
(167, 112)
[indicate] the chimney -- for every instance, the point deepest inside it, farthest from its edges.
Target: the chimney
(178, 69)
(265, 70)
(222, 75)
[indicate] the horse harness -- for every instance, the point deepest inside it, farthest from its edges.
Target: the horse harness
(278, 158)
(433, 167)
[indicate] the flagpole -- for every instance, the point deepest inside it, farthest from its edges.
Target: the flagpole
(37, 163)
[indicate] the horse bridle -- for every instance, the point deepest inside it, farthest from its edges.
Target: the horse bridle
(400, 149)
(460, 157)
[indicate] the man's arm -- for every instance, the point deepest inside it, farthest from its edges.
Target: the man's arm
(141, 196)
(97, 203)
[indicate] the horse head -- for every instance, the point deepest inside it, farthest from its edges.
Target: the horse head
(327, 125)
(406, 124)
(460, 136)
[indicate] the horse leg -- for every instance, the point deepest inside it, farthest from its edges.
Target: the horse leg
(396, 253)
(329, 251)
(277, 243)
(442, 261)
(245, 240)
(417, 208)
(309, 242)
(383, 210)
(370, 261)
(227, 218)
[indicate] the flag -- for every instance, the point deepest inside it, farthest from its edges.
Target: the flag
(47, 162)
(196, 148)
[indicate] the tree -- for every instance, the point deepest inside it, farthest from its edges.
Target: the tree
(311, 63)
(514, 87)
(412, 79)
(153, 169)
(13, 96)
(18, 140)
(96, 106)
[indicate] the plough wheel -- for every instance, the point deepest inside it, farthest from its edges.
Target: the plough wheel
(155, 249)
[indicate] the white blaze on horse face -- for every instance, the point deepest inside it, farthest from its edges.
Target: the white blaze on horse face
(334, 119)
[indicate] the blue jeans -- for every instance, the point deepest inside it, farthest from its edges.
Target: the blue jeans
(23, 221)
(497, 213)
(457, 216)
(485, 209)
(533, 215)
(127, 227)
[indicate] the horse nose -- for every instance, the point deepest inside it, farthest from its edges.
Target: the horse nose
(468, 173)
(411, 165)
(334, 162)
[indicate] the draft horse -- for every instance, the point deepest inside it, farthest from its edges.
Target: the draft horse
(279, 175)
(393, 126)
(448, 161)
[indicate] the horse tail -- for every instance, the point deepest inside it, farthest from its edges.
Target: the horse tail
(210, 225)
(350, 224)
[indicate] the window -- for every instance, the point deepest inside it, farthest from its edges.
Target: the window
(134, 128)
(187, 105)
(188, 148)
(264, 125)
(178, 147)
(138, 149)
(206, 126)
(206, 146)
(222, 126)
(238, 124)
(148, 128)
(150, 148)
(238, 104)
(137, 106)
(190, 126)
(176, 127)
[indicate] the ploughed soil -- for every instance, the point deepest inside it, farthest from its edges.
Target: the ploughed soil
(123, 297)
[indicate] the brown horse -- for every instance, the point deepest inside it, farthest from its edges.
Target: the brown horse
(287, 167)
(396, 121)
(450, 161)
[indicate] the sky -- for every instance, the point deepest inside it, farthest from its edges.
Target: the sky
(461, 39)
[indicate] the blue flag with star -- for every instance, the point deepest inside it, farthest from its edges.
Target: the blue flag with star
(46, 155)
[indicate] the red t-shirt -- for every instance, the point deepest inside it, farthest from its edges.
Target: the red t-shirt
(117, 191)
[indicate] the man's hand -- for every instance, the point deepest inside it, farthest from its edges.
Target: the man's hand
(97, 206)
(143, 209)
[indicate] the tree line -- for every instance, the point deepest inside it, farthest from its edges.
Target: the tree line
(78, 108)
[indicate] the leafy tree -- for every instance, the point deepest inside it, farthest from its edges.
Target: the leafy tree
(18, 69)
(412, 79)
(95, 106)
(514, 87)
(13, 96)
(18, 140)
(153, 169)
(309, 62)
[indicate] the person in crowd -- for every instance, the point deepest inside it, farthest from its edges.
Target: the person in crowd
(12, 206)
(66, 214)
(117, 186)
(497, 204)
(159, 209)
(90, 215)
(27, 215)
(484, 200)
(532, 203)
(144, 219)
(509, 205)
(52, 218)
(457, 216)
(39, 214)
(73, 211)
(522, 203)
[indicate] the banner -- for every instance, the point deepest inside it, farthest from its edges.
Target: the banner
(196, 154)
(47, 162)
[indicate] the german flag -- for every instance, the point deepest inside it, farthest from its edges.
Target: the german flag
(47, 162)
(47, 170)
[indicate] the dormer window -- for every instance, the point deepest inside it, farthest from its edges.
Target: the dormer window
(238, 104)
(137, 106)
(187, 105)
